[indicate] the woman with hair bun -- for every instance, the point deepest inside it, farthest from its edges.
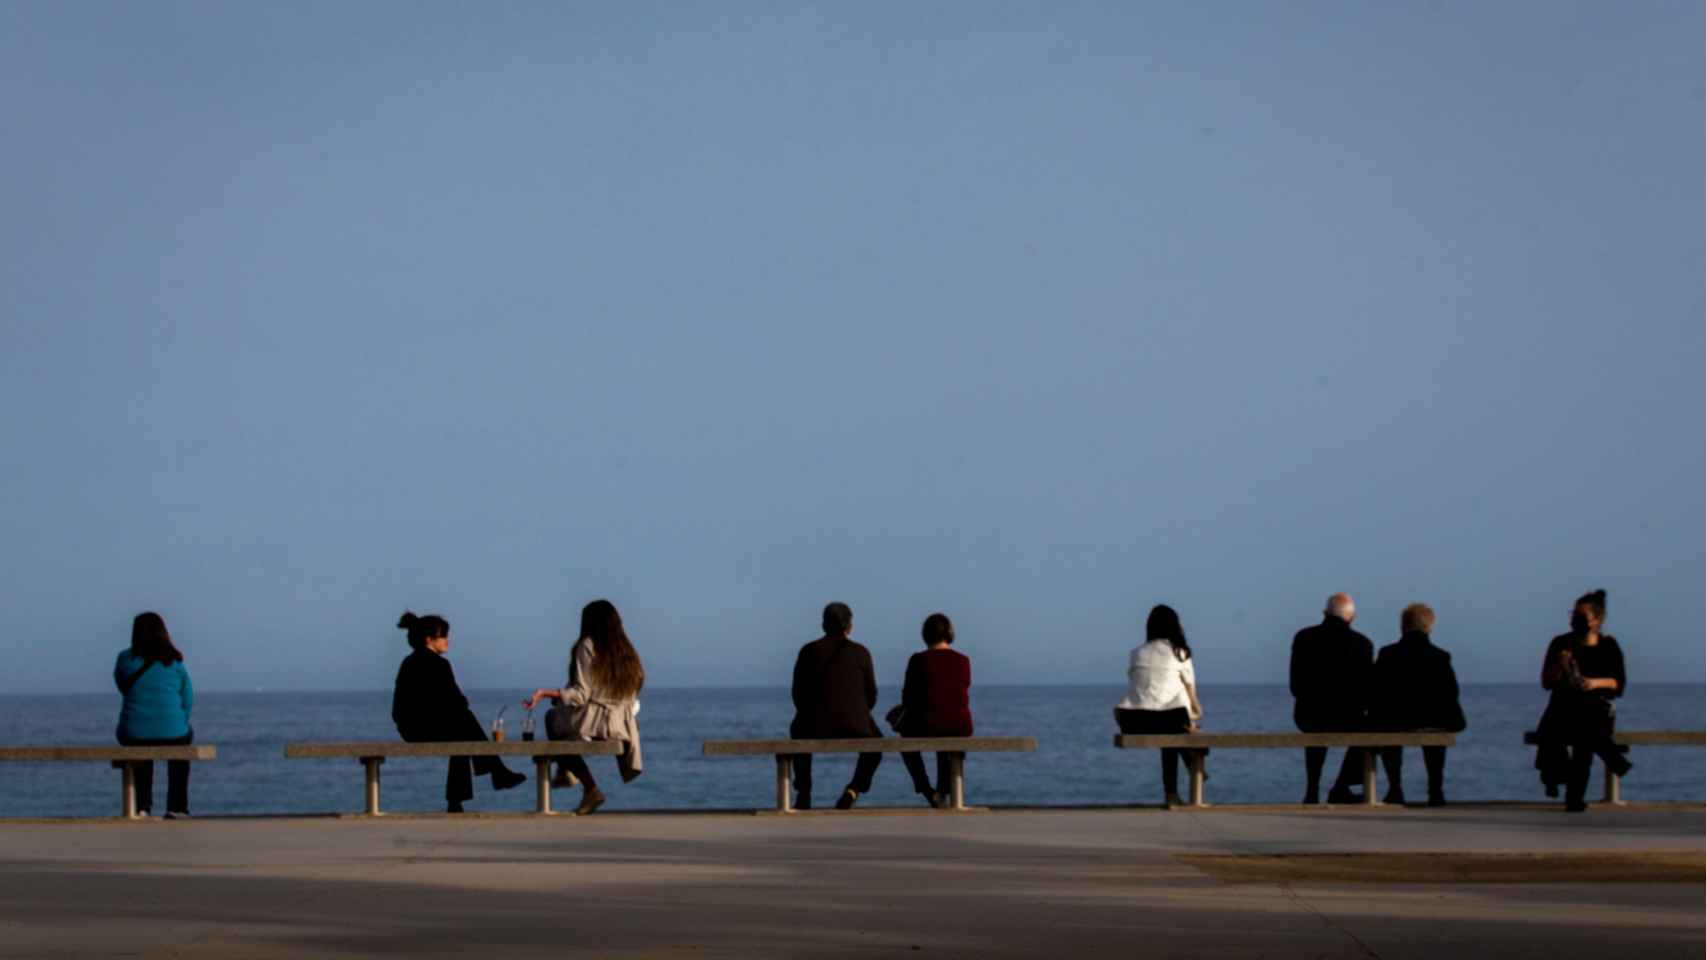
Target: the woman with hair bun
(428, 707)
(1584, 671)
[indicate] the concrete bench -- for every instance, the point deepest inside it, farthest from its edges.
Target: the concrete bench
(784, 751)
(372, 753)
(121, 758)
(1281, 741)
(1635, 738)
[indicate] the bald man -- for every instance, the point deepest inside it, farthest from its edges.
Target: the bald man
(1332, 668)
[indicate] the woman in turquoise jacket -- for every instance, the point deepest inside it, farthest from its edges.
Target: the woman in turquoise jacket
(156, 712)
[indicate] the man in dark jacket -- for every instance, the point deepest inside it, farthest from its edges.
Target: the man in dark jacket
(835, 688)
(1331, 667)
(1415, 689)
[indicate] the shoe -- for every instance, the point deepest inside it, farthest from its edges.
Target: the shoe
(1575, 806)
(144, 814)
(177, 815)
(455, 806)
(1173, 800)
(1436, 799)
(590, 801)
(802, 801)
(1394, 797)
(1311, 798)
(504, 779)
(936, 800)
(1343, 795)
(848, 797)
(1624, 768)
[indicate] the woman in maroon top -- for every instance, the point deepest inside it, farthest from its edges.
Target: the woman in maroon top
(936, 702)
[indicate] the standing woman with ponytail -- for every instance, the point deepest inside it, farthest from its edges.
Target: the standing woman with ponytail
(428, 707)
(600, 701)
(1584, 671)
(156, 712)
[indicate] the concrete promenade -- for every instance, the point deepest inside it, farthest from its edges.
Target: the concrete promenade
(1225, 882)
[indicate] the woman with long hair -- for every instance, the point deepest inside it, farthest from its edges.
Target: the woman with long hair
(599, 702)
(428, 707)
(158, 697)
(1161, 696)
(1584, 671)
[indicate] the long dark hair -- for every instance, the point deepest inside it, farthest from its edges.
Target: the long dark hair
(421, 629)
(616, 668)
(150, 640)
(1164, 625)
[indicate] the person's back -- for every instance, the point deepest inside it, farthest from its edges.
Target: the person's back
(1330, 665)
(1415, 687)
(158, 702)
(834, 689)
(937, 694)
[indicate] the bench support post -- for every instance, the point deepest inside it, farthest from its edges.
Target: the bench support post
(129, 790)
(1613, 788)
(957, 780)
(372, 769)
(1368, 776)
(1194, 763)
(542, 784)
(784, 783)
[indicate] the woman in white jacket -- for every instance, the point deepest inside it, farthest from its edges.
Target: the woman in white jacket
(1162, 692)
(600, 701)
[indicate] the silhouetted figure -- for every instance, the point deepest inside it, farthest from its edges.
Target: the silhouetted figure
(1161, 695)
(428, 707)
(1330, 667)
(1584, 671)
(834, 690)
(600, 702)
(1415, 688)
(935, 702)
(158, 698)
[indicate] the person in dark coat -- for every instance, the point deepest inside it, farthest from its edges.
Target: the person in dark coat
(428, 707)
(834, 689)
(1330, 667)
(1415, 688)
(1584, 671)
(935, 702)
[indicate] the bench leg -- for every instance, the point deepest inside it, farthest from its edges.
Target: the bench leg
(784, 783)
(957, 780)
(372, 768)
(1613, 788)
(129, 791)
(1194, 762)
(542, 784)
(1368, 778)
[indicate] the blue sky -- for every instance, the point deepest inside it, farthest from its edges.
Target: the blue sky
(1036, 314)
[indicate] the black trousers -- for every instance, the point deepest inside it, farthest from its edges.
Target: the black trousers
(1582, 752)
(1177, 720)
(863, 772)
(177, 775)
(459, 776)
(920, 780)
(1432, 757)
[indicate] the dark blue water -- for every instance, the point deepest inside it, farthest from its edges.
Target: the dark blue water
(1074, 763)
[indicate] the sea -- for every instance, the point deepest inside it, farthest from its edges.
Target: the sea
(1075, 763)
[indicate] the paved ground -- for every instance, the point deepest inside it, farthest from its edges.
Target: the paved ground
(1246, 882)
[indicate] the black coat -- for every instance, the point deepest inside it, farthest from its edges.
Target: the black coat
(1415, 688)
(427, 705)
(834, 690)
(1331, 667)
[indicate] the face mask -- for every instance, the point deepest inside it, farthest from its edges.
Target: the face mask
(1579, 622)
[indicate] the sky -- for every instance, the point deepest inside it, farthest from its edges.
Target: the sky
(1035, 314)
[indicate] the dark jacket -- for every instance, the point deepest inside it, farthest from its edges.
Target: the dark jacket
(1331, 667)
(937, 694)
(1574, 715)
(834, 691)
(427, 705)
(1415, 688)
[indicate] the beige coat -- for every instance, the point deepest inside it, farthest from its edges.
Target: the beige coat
(586, 715)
